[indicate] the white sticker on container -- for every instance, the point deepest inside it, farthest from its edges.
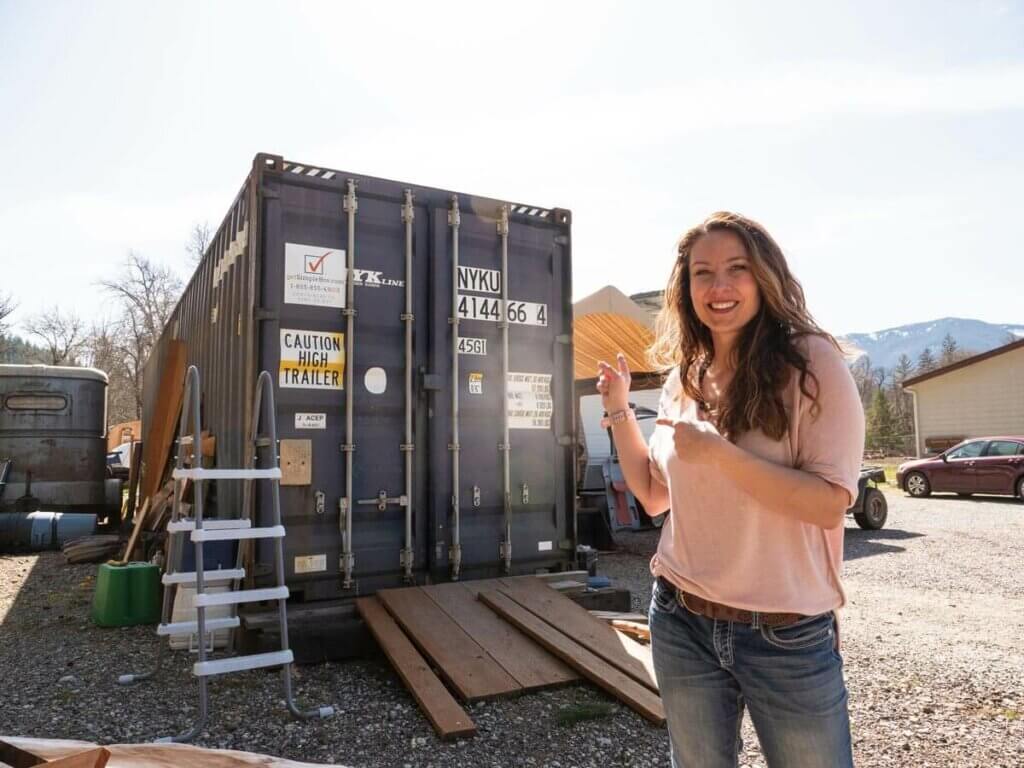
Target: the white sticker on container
(314, 275)
(376, 381)
(312, 360)
(529, 401)
(311, 421)
(476, 383)
(485, 308)
(310, 563)
(543, 546)
(479, 280)
(471, 346)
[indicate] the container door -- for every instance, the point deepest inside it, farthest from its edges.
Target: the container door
(535, 392)
(304, 337)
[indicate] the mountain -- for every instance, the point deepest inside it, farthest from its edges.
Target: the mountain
(885, 347)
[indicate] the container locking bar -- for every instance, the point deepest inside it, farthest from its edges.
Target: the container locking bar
(347, 565)
(382, 501)
(505, 549)
(405, 557)
(455, 550)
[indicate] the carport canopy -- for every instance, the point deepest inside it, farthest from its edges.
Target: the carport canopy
(608, 322)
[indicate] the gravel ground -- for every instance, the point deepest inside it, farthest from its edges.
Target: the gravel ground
(933, 652)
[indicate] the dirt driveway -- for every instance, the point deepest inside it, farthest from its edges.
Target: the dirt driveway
(934, 649)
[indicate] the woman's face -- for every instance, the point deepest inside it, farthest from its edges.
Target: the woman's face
(723, 290)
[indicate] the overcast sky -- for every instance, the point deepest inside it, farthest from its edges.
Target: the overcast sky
(881, 143)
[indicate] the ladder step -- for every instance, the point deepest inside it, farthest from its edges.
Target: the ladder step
(189, 577)
(240, 596)
(192, 627)
(273, 473)
(186, 525)
(273, 532)
(240, 663)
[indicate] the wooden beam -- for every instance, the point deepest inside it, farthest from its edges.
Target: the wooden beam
(159, 435)
(575, 621)
(458, 657)
(638, 697)
(530, 665)
(448, 718)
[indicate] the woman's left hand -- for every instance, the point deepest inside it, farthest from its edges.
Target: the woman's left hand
(695, 442)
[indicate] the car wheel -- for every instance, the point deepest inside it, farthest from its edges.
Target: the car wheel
(874, 512)
(916, 484)
(1020, 489)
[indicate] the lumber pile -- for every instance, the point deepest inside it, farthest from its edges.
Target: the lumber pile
(484, 639)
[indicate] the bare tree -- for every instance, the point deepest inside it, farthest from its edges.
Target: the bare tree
(198, 241)
(7, 306)
(146, 294)
(103, 350)
(63, 335)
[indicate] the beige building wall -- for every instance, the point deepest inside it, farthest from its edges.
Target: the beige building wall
(985, 398)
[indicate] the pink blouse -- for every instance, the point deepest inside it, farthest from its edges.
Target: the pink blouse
(723, 544)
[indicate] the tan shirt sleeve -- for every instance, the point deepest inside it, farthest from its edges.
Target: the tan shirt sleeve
(831, 445)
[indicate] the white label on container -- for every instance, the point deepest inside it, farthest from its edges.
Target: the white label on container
(376, 381)
(311, 421)
(476, 383)
(529, 401)
(485, 308)
(479, 280)
(471, 346)
(310, 563)
(543, 546)
(314, 275)
(312, 360)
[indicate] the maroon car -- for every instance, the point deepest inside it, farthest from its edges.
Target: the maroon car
(978, 465)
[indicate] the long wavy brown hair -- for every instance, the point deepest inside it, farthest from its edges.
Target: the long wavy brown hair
(766, 353)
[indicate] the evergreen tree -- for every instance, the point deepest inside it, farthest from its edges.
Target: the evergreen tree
(880, 423)
(950, 350)
(904, 369)
(925, 361)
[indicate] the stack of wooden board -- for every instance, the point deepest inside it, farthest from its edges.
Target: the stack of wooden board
(502, 637)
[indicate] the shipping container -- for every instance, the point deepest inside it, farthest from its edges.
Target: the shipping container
(52, 439)
(421, 438)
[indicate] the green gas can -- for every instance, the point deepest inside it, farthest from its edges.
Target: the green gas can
(126, 595)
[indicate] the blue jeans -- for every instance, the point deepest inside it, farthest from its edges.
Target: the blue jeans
(790, 679)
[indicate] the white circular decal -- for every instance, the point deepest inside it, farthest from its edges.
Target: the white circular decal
(376, 381)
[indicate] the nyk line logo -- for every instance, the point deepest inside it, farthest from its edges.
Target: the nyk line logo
(369, 279)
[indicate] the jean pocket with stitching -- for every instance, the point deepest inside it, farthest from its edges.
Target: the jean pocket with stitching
(802, 634)
(663, 598)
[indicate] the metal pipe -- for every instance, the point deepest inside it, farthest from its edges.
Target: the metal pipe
(348, 560)
(455, 551)
(408, 215)
(505, 447)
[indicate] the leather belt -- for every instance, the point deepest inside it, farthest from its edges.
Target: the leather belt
(721, 612)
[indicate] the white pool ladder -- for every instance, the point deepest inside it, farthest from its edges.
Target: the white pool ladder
(200, 531)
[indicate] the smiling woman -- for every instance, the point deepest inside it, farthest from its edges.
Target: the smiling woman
(757, 457)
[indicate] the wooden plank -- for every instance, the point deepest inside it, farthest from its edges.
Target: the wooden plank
(93, 758)
(530, 665)
(139, 520)
(638, 697)
(633, 628)
(448, 718)
(160, 434)
(576, 622)
(462, 663)
(639, 618)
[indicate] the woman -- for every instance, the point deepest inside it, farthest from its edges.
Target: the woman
(756, 457)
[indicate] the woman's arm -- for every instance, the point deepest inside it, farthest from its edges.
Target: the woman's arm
(613, 384)
(790, 492)
(635, 462)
